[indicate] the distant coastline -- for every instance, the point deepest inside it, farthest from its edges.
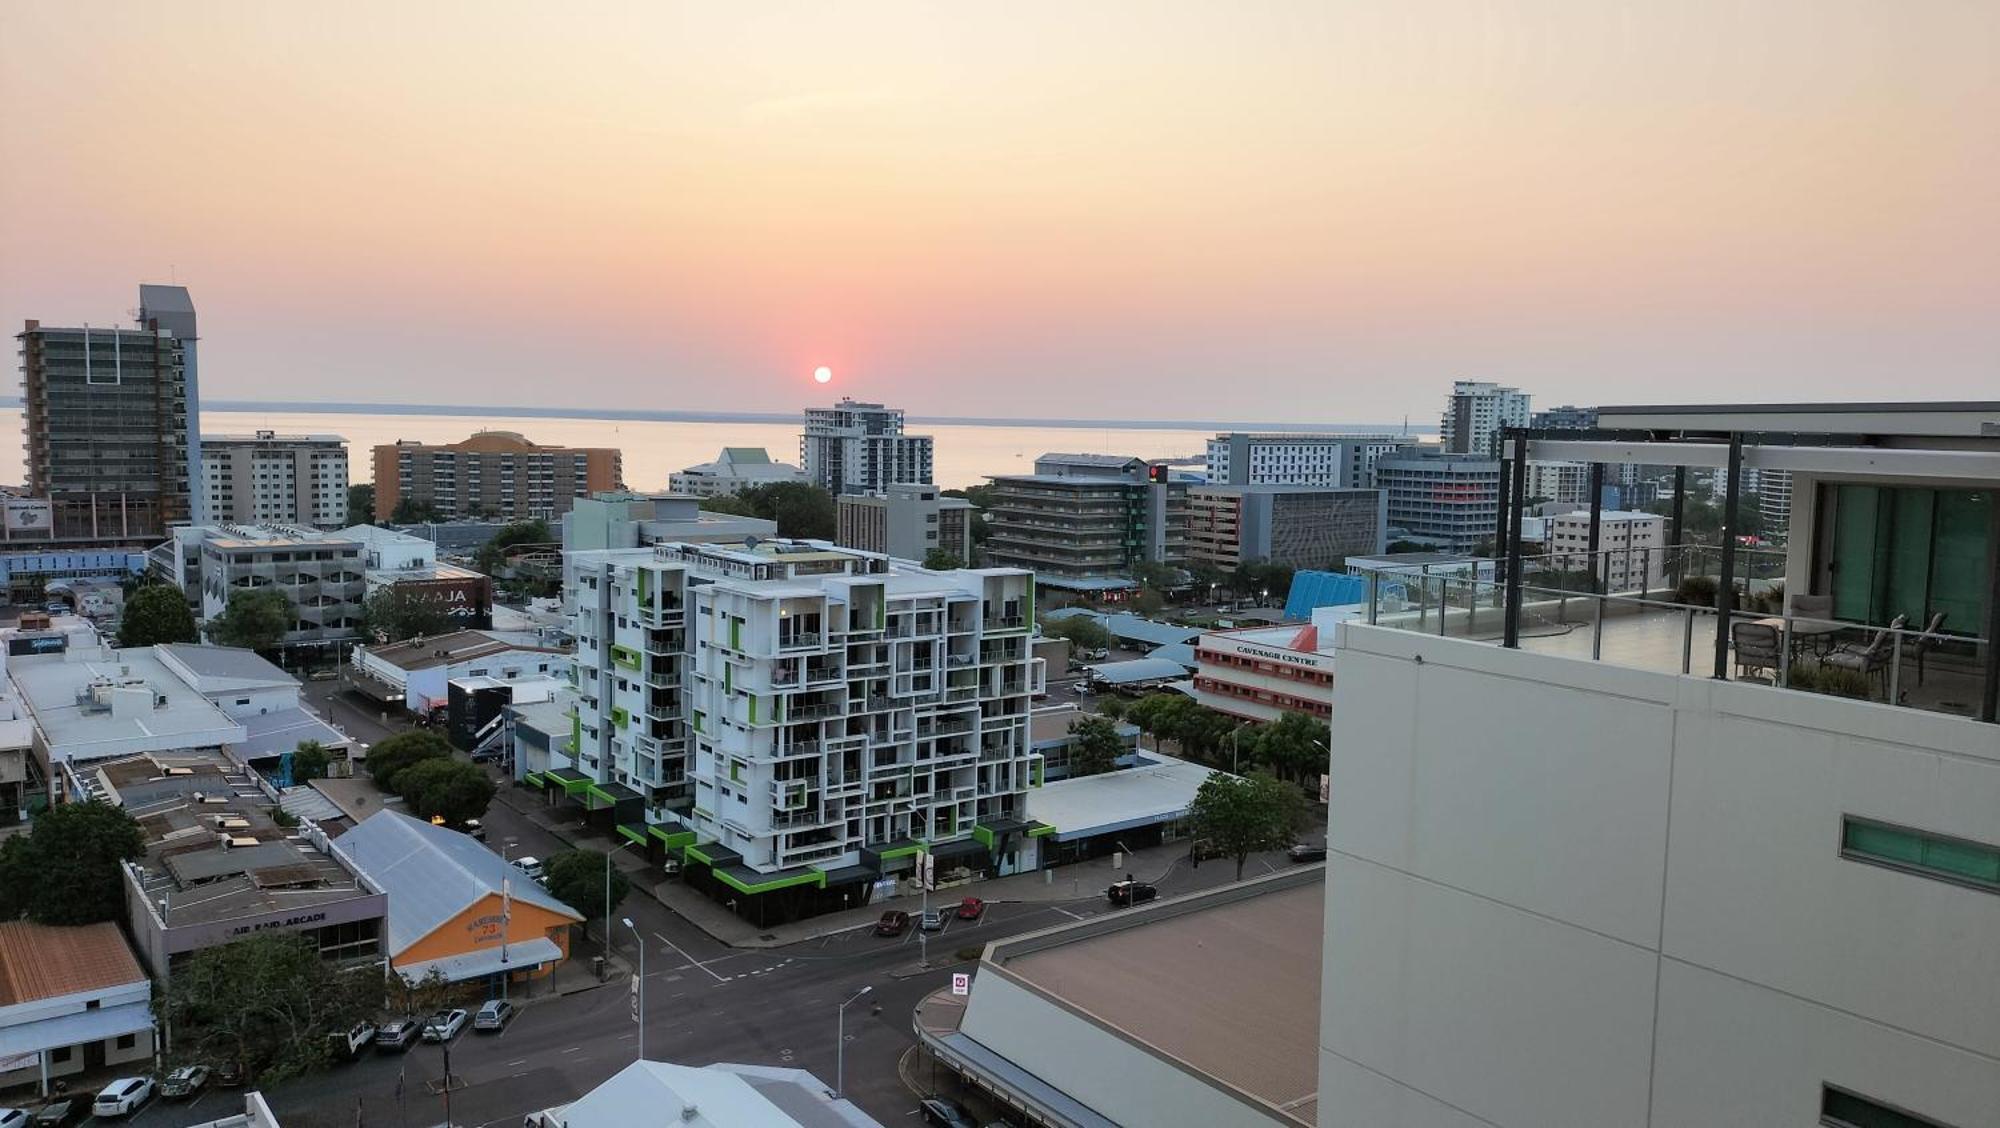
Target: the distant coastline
(518, 412)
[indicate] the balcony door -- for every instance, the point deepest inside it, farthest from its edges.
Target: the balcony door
(1911, 551)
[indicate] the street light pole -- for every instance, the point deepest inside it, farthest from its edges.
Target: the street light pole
(840, 1044)
(642, 986)
(607, 895)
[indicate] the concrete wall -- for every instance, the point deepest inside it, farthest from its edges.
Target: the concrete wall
(1565, 893)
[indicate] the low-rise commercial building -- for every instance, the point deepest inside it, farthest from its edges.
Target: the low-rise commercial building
(721, 1095)
(91, 702)
(493, 473)
(72, 1000)
(908, 521)
(1088, 1024)
(734, 470)
(266, 478)
(1296, 526)
(218, 867)
(252, 691)
(417, 673)
(1262, 673)
(455, 907)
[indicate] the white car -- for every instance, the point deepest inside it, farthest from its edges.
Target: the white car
(444, 1025)
(13, 1118)
(122, 1097)
(532, 866)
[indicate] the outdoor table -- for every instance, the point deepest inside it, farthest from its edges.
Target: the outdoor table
(1803, 635)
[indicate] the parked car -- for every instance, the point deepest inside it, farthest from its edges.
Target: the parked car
(229, 1074)
(475, 828)
(61, 1112)
(348, 1043)
(1307, 852)
(972, 908)
(13, 1118)
(397, 1035)
(1130, 892)
(946, 1113)
(445, 1025)
(122, 1097)
(932, 920)
(532, 866)
(184, 1082)
(495, 1014)
(892, 923)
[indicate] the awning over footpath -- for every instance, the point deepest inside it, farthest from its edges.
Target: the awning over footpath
(521, 955)
(75, 1029)
(570, 780)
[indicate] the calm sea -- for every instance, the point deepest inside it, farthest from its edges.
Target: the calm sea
(965, 454)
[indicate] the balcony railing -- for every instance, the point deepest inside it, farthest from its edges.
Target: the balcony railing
(1912, 665)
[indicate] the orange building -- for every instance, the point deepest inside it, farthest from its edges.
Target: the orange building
(455, 906)
(498, 473)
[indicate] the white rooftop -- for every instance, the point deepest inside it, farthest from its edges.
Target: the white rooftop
(1160, 788)
(94, 704)
(713, 1096)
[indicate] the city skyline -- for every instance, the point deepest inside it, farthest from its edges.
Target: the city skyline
(1095, 215)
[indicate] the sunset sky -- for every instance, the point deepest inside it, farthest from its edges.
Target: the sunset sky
(1318, 211)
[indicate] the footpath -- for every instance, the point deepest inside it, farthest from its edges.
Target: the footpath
(1167, 867)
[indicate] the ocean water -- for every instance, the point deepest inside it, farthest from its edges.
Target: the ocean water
(964, 454)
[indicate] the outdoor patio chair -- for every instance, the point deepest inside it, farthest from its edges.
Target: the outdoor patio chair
(1918, 646)
(1872, 659)
(1757, 647)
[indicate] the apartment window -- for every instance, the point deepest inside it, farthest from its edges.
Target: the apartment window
(1938, 856)
(127, 1041)
(1839, 1108)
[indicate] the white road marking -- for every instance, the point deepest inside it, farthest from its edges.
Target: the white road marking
(690, 959)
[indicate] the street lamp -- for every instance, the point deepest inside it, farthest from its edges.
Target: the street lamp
(641, 1015)
(840, 1044)
(607, 894)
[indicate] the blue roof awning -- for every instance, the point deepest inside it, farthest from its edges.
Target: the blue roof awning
(75, 1029)
(522, 955)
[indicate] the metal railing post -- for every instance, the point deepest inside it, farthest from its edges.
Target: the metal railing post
(1725, 585)
(1511, 634)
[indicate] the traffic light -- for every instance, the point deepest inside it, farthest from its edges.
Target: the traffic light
(1157, 473)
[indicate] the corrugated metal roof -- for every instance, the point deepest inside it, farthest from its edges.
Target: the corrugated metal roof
(432, 874)
(1137, 670)
(220, 668)
(45, 961)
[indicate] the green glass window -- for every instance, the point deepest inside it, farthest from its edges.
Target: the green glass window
(1911, 551)
(1932, 855)
(1839, 1108)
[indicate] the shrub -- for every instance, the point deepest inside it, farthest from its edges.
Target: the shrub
(1698, 590)
(1834, 681)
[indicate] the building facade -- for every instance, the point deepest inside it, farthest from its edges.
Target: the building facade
(1450, 503)
(803, 712)
(1262, 673)
(113, 421)
(1565, 483)
(1475, 411)
(499, 473)
(907, 521)
(1631, 546)
(735, 469)
(856, 447)
(267, 478)
(1774, 503)
(1297, 526)
(1566, 418)
(72, 1000)
(1084, 516)
(1336, 461)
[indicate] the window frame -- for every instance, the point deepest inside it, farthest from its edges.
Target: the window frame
(1829, 1120)
(1918, 870)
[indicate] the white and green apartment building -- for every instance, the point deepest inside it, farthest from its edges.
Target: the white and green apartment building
(798, 719)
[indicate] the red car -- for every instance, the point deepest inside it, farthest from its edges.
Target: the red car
(893, 923)
(971, 908)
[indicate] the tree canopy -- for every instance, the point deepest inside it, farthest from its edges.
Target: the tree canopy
(1082, 631)
(576, 878)
(65, 869)
(410, 511)
(361, 503)
(1294, 747)
(256, 618)
(942, 560)
(1094, 746)
(268, 1001)
(154, 614)
(442, 787)
(801, 509)
(395, 613)
(1238, 816)
(309, 761)
(388, 759)
(492, 555)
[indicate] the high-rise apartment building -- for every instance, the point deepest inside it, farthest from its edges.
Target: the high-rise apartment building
(1564, 418)
(855, 447)
(1565, 482)
(113, 421)
(493, 473)
(1631, 547)
(1445, 501)
(1774, 503)
(1082, 517)
(271, 479)
(1475, 411)
(1241, 458)
(1297, 526)
(804, 713)
(907, 521)
(1660, 888)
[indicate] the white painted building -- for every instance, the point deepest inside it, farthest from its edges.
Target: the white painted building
(735, 469)
(1564, 892)
(856, 447)
(801, 707)
(269, 479)
(1475, 410)
(1567, 483)
(1631, 546)
(417, 673)
(1336, 461)
(71, 1000)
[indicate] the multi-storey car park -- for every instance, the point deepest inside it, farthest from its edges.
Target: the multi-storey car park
(790, 716)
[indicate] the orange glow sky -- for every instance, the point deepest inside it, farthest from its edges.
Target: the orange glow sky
(1316, 211)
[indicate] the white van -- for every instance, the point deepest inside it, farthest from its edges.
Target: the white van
(532, 866)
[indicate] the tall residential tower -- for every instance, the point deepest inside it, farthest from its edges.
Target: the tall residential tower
(861, 448)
